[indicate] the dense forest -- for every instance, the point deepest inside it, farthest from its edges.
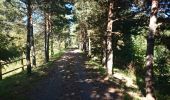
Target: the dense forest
(127, 36)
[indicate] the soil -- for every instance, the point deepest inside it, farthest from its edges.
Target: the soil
(71, 78)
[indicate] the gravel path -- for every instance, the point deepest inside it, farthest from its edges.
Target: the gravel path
(73, 79)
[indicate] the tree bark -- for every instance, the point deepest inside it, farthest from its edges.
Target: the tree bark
(51, 34)
(150, 51)
(33, 49)
(79, 39)
(28, 45)
(89, 45)
(0, 71)
(46, 37)
(32, 39)
(104, 53)
(84, 40)
(109, 52)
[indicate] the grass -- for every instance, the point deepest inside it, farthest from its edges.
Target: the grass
(98, 66)
(125, 81)
(13, 87)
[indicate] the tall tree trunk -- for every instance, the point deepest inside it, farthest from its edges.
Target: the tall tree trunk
(0, 70)
(52, 38)
(29, 14)
(69, 35)
(66, 42)
(89, 45)
(32, 41)
(85, 40)
(109, 54)
(33, 49)
(104, 53)
(150, 51)
(46, 38)
(52, 45)
(79, 38)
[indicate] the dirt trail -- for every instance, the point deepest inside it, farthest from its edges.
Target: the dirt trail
(73, 79)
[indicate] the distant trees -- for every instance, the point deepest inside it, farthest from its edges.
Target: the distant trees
(19, 17)
(92, 15)
(129, 28)
(97, 21)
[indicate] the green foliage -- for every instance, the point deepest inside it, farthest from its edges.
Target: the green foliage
(130, 45)
(130, 50)
(91, 19)
(11, 32)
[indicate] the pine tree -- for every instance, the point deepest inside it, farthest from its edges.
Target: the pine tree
(150, 51)
(29, 32)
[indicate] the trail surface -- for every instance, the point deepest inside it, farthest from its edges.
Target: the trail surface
(71, 78)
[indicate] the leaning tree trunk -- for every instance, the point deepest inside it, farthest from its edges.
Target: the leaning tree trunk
(109, 52)
(150, 51)
(28, 45)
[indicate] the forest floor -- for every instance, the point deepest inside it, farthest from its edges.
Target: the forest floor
(73, 77)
